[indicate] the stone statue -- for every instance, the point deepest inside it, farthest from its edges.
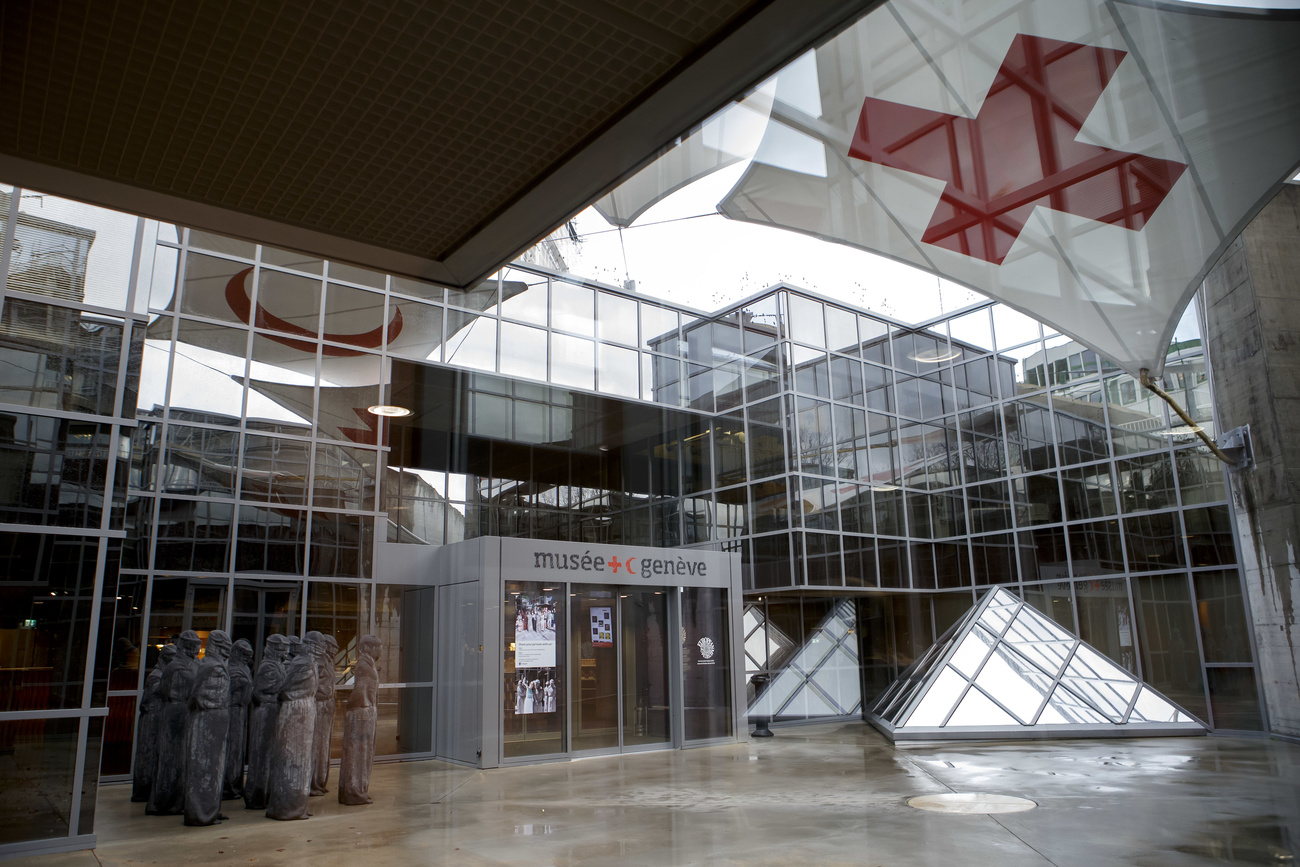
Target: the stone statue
(205, 741)
(241, 694)
(326, 648)
(146, 731)
(167, 795)
(359, 726)
(289, 781)
(261, 720)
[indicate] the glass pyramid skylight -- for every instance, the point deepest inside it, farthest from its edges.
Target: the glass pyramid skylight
(1006, 670)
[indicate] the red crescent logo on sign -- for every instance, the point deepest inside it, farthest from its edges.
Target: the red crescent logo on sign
(239, 302)
(1020, 151)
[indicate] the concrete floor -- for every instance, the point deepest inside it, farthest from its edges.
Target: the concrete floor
(825, 795)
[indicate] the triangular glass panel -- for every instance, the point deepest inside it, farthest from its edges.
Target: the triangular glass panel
(1152, 707)
(1102, 695)
(1002, 598)
(1030, 677)
(1017, 684)
(977, 710)
(813, 652)
(816, 703)
(1089, 663)
(997, 618)
(972, 651)
(939, 699)
(1050, 656)
(1074, 709)
(838, 678)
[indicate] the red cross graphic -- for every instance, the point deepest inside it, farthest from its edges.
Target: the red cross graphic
(615, 564)
(1020, 151)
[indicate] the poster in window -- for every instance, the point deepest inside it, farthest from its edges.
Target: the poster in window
(533, 684)
(602, 627)
(534, 631)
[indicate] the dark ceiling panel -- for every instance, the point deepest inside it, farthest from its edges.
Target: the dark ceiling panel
(436, 140)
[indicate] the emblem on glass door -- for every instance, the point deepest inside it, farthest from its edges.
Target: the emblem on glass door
(705, 645)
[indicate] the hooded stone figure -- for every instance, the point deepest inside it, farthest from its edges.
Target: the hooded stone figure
(167, 795)
(359, 726)
(289, 781)
(146, 731)
(205, 741)
(261, 719)
(241, 694)
(326, 648)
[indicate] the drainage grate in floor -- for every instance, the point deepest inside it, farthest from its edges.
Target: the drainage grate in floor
(971, 802)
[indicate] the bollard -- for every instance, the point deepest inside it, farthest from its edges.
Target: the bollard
(760, 722)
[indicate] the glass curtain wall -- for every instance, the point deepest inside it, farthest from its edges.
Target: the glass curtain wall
(983, 450)
(833, 449)
(71, 337)
(186, 423)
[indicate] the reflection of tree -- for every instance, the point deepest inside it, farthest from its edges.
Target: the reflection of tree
(931, 461)
(983, 457)
(817, 451)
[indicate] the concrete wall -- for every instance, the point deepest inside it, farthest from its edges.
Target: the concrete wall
(1253, 300)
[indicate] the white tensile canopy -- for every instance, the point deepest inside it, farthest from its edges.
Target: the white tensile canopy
(1085, 163)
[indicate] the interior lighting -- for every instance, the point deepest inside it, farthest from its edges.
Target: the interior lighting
(933, 356)
(388, 411)
(1183, 431)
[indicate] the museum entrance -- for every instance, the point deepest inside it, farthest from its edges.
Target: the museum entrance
(619, 668)
(561, 650)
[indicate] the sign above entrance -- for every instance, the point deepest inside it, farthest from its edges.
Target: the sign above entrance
(536, 560)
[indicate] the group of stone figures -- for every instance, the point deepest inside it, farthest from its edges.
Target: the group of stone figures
(201, 718)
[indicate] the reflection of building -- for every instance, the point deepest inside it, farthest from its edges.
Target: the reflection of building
(1185, 376)
(872, 476)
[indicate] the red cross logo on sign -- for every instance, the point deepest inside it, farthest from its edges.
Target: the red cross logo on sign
(1019, 151)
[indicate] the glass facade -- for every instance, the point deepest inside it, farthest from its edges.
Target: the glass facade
(188, 443)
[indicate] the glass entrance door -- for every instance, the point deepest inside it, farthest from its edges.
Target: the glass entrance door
(619, 652)
(644, 628)
(594, 646)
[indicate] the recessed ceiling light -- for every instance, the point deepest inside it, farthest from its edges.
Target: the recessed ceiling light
(387, 411)
(933, 356)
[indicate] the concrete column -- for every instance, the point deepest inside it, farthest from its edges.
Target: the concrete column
(1253, 319)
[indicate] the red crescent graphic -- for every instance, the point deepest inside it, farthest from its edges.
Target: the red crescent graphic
(628, 564)
(239, 302)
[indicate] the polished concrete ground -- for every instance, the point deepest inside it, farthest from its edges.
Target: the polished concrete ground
(824, 795)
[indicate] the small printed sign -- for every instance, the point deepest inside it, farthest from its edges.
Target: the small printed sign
(602, 627)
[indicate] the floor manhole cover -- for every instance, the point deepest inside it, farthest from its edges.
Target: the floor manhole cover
(971, 802)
